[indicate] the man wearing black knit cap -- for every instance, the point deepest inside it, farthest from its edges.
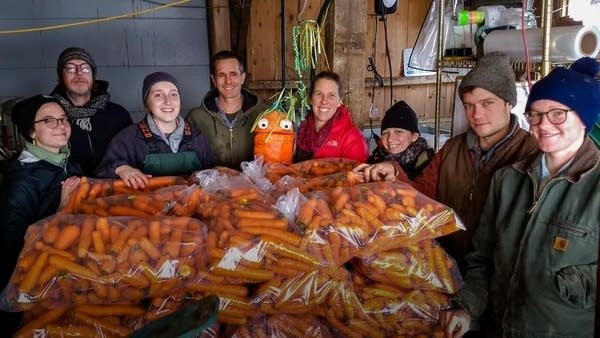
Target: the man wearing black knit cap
(459, 175)
(94, 118)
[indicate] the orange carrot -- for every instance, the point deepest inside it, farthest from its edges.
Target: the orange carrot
(63, 264)
(99, 246)
(160, 182)
(39, 245)
(51, 232)
(114, 233)
(47, 317)
(149, 248)
(173, 246)
(110, 310)
(341, 201)
(154, 232)
(121, 210)
(68, 235)
(104, 228)
(33, 274)
(279, 223)
(118, 330)
(85, 239)
(258, 214)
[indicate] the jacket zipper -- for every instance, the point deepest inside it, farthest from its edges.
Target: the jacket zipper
(230, 138)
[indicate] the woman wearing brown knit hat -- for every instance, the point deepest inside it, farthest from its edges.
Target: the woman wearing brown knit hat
(401, 141)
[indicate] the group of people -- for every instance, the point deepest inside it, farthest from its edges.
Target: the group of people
(530, 203)
(528, 199)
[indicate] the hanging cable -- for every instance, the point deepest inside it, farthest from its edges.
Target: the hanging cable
(389, 59)
(283, 47)
(376, 80)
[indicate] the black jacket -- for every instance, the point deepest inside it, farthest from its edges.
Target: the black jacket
(88, 147)
(29, 192)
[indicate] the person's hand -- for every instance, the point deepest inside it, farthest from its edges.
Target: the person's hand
(133, 177)
(67, 188)
(376, 172)
(455, 323)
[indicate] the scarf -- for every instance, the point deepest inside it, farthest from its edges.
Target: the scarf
(33, 153)
(309, 138)
(81, 115)
(174, 139)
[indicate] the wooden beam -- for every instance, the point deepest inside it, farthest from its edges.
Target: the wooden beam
(219, 25)
(348, 29)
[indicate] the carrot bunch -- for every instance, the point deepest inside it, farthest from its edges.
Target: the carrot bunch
(283, 325)
(423, 266)
(177, 200)
(91, 188)
(85, 259)
(368, 218)
(117, 320)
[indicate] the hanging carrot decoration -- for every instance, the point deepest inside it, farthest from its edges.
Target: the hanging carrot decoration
(274, 137)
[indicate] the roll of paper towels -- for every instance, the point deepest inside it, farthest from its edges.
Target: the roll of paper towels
(566, 43)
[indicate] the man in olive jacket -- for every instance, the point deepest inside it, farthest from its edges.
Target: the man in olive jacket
(228, 112)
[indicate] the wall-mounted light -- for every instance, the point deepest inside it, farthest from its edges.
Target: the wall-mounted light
(384, 7)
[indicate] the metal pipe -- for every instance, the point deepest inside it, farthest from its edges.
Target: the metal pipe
(546, 26)
(438, 74)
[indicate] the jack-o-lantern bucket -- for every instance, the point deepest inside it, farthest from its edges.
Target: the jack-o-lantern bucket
(274, 138)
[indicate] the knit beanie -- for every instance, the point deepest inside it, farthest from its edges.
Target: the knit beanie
(74, 53)
(23, 113)
(575, 87)
(493, 72)
(400, 115)
(156, 77)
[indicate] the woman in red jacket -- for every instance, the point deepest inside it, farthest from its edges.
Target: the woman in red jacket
(328, 130)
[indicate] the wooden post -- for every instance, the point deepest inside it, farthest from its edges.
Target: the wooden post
(347, 51)
(219, 25)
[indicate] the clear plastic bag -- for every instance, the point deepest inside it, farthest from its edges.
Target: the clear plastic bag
(283, 326)
(84, 259)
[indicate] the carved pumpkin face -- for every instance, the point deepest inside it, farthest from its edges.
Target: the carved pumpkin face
(274, 138)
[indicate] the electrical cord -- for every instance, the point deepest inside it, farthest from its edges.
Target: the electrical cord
(389, 59)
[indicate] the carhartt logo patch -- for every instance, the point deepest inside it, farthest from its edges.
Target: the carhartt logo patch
(560, 243)
(332, 143)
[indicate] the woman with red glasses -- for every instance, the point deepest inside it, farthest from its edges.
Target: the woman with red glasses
(533, 267)
(32, 183)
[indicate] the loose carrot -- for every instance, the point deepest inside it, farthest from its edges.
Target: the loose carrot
(39, 245)
(110, 310)
(51, 232)
(154, 232)
(149, 248)
(98, 243)
(121, 210)
(258, 214)
(47, 317)
(33, 274)
(63, 264)
(160, 182)
(118, 330)
(279, 223)
(104, 228)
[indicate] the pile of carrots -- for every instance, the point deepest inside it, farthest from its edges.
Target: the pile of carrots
(338, 269)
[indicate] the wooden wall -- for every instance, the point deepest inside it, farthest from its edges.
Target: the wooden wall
(264, 61)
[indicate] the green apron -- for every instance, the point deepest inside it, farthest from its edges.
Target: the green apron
(157, 163)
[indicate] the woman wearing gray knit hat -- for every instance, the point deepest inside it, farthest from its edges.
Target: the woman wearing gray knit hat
(536, 249)
(401, 141)
(162, 143)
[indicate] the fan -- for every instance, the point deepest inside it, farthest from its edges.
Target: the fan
(384, 7)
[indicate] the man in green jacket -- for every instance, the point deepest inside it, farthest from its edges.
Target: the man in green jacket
(228, 112)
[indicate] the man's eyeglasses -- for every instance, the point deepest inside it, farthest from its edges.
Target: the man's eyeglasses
(72, 69)
(554, 116)
(52, 122)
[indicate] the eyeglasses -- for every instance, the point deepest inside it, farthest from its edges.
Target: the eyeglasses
(52, 122)
(72, 68)
(554, 116)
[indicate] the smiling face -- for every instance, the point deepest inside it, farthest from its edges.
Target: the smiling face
(164, 102)
(488, 116)
(228, 78)
(325, 100)
(51, 139)
(396, 140)
(558, 140)
(78, 82)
